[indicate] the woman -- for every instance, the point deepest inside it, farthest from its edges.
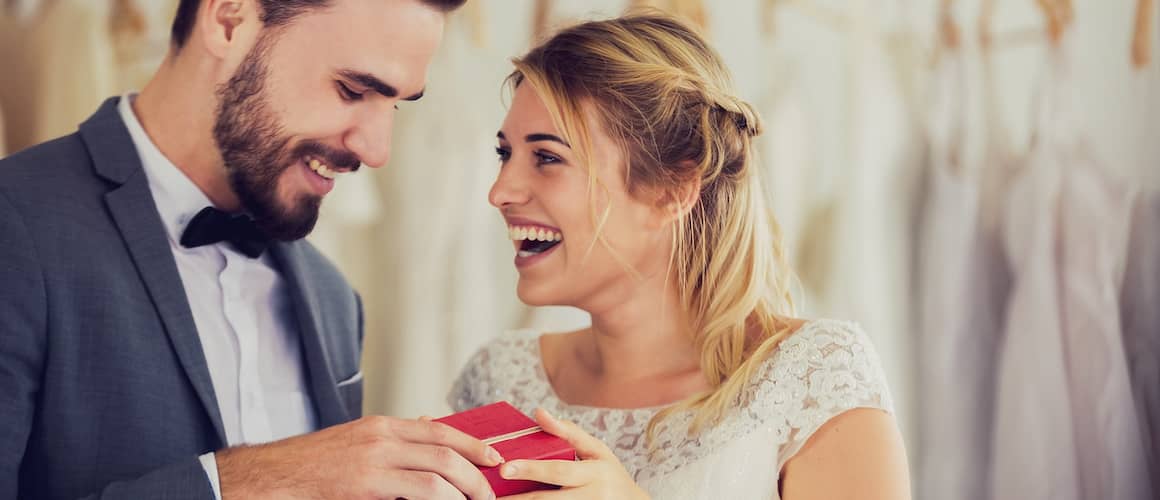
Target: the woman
(627, 183)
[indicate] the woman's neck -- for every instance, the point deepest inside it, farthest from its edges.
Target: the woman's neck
(640, 338)
(639, 352)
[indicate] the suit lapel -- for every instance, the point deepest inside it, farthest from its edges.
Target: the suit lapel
(135, 214)
(330, 409)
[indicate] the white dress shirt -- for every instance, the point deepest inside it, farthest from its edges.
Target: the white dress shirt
(242, 312)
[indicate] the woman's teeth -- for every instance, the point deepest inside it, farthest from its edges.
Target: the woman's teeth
(534, 240)
(519, 233)
(321, 169)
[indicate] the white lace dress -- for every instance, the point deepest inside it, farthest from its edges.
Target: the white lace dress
(824, 369)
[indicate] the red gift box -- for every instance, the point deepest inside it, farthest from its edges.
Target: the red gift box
(514, 436)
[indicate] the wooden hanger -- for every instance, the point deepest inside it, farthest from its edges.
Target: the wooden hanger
(1058, 16)
(541, 19)
(126, 19)
(1142, 38)
(477, 23)
(949, 36)
(692, 10)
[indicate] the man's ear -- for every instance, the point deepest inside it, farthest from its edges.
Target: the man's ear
(219, 22)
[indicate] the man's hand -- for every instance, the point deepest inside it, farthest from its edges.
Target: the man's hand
(371, 458)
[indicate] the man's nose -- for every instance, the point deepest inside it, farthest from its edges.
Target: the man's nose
(370, 138)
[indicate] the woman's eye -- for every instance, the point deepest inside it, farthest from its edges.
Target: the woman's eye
(504, 154)
(543, 158)
(348, 94)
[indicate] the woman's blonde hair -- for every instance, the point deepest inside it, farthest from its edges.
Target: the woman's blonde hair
(664, 96)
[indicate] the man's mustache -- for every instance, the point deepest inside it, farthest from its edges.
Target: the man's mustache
(337, 159)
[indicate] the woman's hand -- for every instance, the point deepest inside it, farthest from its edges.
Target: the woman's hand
(597, 475)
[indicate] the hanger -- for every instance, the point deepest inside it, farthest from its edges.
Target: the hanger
(692, 10)
(1058, 16)
(476, 18)
(541, 19)
(126, 19)
(1142, 38)
(949, 36)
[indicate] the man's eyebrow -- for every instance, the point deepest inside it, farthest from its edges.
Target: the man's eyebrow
(374, 83)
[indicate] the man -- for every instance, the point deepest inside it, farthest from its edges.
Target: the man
(160, 317)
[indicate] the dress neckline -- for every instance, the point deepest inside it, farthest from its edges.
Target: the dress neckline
(541, 377)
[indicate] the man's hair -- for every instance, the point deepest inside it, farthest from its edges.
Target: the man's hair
(274, 13)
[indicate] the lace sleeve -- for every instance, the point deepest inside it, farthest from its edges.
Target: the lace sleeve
(826, 369)
(469, 389)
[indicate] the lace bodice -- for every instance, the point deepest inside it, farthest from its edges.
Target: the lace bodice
(824, 369)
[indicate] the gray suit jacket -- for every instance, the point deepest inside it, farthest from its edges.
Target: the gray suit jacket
(104, 389)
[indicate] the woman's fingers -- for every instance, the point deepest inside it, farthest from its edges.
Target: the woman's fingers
(566, 473)
(587, 446)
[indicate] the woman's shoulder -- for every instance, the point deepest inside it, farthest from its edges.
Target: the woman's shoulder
(821, 369)
(824, 355)
(820, 338)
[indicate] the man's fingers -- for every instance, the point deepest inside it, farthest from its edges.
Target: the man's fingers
(587, 446)
(445, 462)
(567, 473)
(440, 434)
(419, 484)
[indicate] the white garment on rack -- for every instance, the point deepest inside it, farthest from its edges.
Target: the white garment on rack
(347, 213)
(866, 252)
(963, 287)
(75, 65)
(786, 150)
(961, 291)
(63, 62)
(1066, 425)
(1140, 317)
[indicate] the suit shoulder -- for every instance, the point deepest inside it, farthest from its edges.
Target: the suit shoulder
(45, 166)
(69, 149)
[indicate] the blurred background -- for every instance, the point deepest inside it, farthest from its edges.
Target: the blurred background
(977, 183)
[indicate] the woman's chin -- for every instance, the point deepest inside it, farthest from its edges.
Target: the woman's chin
(535, 296)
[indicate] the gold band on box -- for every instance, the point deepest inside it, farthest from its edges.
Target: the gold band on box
(512, 435)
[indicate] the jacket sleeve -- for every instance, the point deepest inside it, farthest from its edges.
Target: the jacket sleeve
(23, 329)
(23, 344)
(181, 481)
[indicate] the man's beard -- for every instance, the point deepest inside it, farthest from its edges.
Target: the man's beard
(257, 150)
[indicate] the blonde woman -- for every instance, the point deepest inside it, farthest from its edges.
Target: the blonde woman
(627, 182)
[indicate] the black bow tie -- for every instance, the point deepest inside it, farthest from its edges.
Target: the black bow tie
(211, 225)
